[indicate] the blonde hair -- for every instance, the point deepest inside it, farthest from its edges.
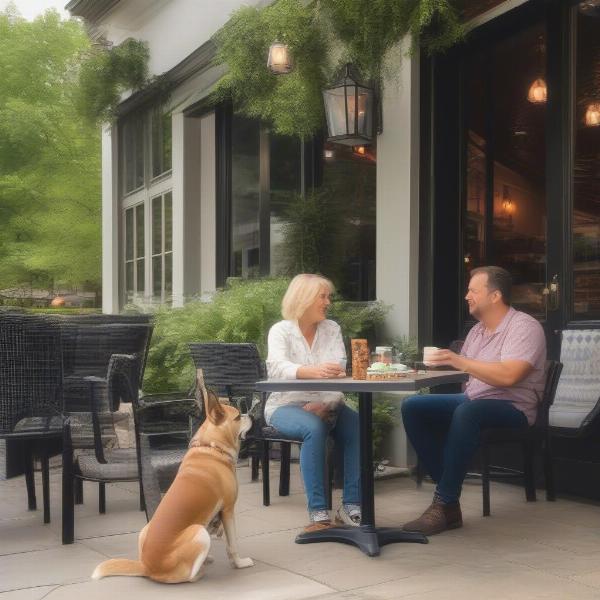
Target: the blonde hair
(301, 293)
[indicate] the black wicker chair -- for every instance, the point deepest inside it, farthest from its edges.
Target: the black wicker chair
(232, 370)
(164, 425)
(31, 393)
(530, 438)
(118, 352)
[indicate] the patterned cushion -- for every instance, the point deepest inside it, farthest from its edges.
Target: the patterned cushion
(578, 390)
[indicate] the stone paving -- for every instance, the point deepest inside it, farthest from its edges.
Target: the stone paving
(524, 550)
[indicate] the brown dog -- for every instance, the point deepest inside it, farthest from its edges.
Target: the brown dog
(174, 545)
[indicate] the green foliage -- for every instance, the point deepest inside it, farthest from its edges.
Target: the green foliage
(49, 157)
(292, 104)
(408, 347)
(105, 74)
(242, 312)
(316, 31)
(384, 419)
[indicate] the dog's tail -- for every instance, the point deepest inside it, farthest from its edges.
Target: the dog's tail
(119, 566)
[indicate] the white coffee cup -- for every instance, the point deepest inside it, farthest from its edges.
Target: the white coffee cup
(427, 355)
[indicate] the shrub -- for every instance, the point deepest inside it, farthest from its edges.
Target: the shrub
(242, 312)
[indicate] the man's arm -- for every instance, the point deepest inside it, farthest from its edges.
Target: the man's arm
(499, 374)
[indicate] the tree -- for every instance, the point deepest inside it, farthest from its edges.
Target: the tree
(50, 200)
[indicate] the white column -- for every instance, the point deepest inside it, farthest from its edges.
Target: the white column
(398, 215)
(178, 181)
(192, 206)
(208, 206)
(110, 221)
(398, 195)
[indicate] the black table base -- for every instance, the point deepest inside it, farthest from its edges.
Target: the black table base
(367, 538)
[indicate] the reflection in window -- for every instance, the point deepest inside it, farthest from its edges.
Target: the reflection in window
(510, 171)
(134, 253)
(162, 247)
(132, 152)
(161, 142)
(245, 198)
(586, 175)
(477, 191)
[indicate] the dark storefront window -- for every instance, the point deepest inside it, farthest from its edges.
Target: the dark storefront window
(161, 141)
(505, 216)
(245, 198)
(586, 169)
(302, 206)
(132, 152)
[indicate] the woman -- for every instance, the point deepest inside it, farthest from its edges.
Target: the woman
(306, 345)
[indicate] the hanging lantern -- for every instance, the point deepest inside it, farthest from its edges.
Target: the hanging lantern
(279, 61)
(538, 92)
(590, 8)
(592, 115)
(349, 112)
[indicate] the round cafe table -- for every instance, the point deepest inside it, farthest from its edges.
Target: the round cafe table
(368, 537)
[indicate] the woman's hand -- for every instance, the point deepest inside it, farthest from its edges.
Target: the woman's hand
(327, 370)
(317, 408)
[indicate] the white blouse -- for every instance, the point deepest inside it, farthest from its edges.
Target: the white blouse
(289, 350)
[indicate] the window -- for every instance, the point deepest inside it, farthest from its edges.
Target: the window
(132, 152)
(300, 207)
(145, 150)
(162, 247)
(134, 253)
(586, 169)
(161, 141)
(504, 211)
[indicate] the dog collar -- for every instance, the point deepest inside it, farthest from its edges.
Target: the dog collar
(213, 446)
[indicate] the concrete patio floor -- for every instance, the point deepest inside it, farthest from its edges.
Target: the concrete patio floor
(524, 550)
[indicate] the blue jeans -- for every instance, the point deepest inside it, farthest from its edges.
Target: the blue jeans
(296, 423)
(444, 430)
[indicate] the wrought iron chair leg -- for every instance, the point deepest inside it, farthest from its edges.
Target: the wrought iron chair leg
(68, 501)
(284, 471)
(46, 484)
(485, 479)
(30, 478)
(265, 473)
(102, 498)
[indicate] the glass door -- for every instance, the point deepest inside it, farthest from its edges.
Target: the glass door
(504, 198)
(585, 188)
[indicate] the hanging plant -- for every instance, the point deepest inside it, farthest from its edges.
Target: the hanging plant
(357, 31)
(291, 103)
(107, 73)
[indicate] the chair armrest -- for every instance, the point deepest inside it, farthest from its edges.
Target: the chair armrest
(95, 408)
(167, 413)
(123, 378)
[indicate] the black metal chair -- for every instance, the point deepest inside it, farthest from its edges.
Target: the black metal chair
(90, 442)
(232, 370)
(31, 393)
(530, 438)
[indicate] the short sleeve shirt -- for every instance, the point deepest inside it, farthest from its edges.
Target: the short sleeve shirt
(518, 337)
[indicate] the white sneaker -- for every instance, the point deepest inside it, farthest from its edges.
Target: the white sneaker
(319, 519)
(348, 514)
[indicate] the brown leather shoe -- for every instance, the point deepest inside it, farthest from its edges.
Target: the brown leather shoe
(437, 518)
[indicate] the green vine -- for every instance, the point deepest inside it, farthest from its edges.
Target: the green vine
(357, 31)
(106, 74)
(293, 104)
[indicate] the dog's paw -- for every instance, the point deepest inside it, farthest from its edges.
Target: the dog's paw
(242, 563)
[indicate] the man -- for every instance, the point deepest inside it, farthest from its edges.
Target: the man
(504, 355)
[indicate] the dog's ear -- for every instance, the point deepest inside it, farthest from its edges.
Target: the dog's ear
(212, 407)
